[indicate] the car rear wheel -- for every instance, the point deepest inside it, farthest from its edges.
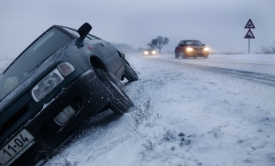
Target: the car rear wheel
(130, 74)
(119, 101)
(176, 55)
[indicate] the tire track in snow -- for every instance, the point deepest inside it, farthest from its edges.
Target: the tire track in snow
(266, 79)
(251, 76)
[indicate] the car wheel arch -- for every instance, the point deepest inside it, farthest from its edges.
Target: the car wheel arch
(98, 63)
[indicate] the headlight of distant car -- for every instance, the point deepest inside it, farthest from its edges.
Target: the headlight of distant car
(189, 49)
(49, 82)
(145, 52)
(206, 49)
(153, 52)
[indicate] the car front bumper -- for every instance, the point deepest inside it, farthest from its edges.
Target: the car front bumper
(196, 53)
(86, 95)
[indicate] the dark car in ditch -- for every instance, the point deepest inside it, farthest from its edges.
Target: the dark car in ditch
(191, 48)
(59, 80)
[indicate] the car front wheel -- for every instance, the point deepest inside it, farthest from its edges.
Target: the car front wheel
(176, 55)
(130, 74)
(183, 55)
(119, 101)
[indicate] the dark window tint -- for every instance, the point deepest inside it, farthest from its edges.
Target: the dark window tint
(192, 43)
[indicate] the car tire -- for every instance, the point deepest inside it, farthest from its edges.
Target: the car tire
(176, 55)
(205, 57)
(183, 55)
(130, 74)
(119, 101)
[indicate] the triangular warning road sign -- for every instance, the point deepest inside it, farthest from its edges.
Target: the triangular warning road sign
(249, 25)
(249, 35)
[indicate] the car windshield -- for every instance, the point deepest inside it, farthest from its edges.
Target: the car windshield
(192, 43)
(42, 48)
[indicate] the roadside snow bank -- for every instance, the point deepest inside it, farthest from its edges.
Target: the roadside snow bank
(182, 116)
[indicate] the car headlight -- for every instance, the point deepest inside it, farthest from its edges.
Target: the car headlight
(189, 49)
(145, 52)
(153, 52)
(206, 49)
(49, 82)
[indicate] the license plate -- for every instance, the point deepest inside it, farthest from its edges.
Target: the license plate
(16, 147)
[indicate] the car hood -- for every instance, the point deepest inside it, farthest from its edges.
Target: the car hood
(195, 46)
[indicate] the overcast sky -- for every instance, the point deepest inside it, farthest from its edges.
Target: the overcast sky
(217, 23)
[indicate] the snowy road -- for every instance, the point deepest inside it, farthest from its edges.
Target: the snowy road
(202, 112)
(256, 71)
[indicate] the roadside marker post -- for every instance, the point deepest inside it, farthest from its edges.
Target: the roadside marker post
(249, 35)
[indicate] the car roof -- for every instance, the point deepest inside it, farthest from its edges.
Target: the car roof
(190, 40)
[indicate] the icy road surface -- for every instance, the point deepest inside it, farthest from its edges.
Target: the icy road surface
(188, 112)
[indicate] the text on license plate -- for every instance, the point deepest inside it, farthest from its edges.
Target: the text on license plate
(15, 147)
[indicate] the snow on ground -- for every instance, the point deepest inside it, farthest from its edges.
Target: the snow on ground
(183, 116)
(260, 63)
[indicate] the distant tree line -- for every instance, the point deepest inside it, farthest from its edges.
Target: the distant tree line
(269, 50)
(158, 42)
(124, 47)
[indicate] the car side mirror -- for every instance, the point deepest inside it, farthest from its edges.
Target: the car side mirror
(203, 44)
(181, 45)
(83, 32)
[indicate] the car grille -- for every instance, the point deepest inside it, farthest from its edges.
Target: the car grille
(13, 119)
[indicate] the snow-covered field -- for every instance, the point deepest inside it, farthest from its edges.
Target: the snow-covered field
(184, 115)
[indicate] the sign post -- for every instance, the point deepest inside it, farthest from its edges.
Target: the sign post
(249, 35)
